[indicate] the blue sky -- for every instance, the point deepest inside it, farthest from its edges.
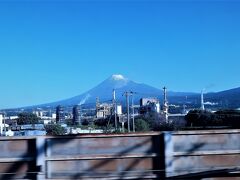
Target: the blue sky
(52, 50)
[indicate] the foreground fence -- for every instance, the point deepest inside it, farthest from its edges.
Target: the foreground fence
(168, 155)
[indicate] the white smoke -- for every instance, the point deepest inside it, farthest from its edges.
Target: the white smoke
(84, 99)
(210, 86)
(210, 103)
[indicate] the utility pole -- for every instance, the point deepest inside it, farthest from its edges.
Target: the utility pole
(127, 103)
(4, 121)
(133, 112)
(115, 108)
(97, 102)
(121, 120)
(97, 106)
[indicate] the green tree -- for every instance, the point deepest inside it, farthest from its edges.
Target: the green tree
(199, 118)
(27, 118)
(229, 117)
(165, 126)
(69, 122)
(142, 125)
(54, 129)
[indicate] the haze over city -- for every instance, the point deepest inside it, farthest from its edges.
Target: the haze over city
(55, 50)
(120, 89)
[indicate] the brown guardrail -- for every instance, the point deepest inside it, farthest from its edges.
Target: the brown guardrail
(153, 155)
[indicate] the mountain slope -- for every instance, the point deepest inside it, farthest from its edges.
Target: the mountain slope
(121, 84)
(225, 99)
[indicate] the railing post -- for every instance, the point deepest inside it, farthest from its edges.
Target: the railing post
(40, 157)
(168, 143)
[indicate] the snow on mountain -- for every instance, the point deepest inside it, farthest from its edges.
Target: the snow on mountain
(118, 77)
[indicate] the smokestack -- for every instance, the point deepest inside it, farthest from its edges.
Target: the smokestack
(202, 101)
(165, 104)
(165, 95)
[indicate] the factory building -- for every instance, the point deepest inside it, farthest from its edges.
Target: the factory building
(1, 124)
(39, 113)
(60, 115)
(4, 128)
(77, 115)
(119, 110)
(148, 105)
(104, 110)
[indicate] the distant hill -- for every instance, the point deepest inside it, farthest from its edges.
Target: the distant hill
(226, 99)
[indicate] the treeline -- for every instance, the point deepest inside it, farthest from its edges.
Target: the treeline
(226, 118)
(195, 119)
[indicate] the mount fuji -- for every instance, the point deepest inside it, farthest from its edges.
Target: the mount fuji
(121, 84)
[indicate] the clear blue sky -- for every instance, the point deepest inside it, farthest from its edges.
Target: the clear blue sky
(54, 50)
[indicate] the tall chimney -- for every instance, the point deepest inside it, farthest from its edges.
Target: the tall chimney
(202, 101)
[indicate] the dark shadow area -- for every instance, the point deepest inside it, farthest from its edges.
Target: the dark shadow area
(32, 170)
(223, 173)
(159, 161)
(194, 148)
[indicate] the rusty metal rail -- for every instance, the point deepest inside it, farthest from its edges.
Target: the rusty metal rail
(167, 155)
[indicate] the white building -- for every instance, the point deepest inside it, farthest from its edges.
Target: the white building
(119, 109)
(1, 124)
(4, 128)
(104, 110)
(149, 105)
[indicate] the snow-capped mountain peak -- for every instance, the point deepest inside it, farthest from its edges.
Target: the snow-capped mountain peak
(118, 77)
(104, 92)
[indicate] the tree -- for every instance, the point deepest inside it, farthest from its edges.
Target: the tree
(141, 125)
(69, 122)
(227, 118)
(199, 118)
(54, 129)
(27, 118)
(165, 126)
